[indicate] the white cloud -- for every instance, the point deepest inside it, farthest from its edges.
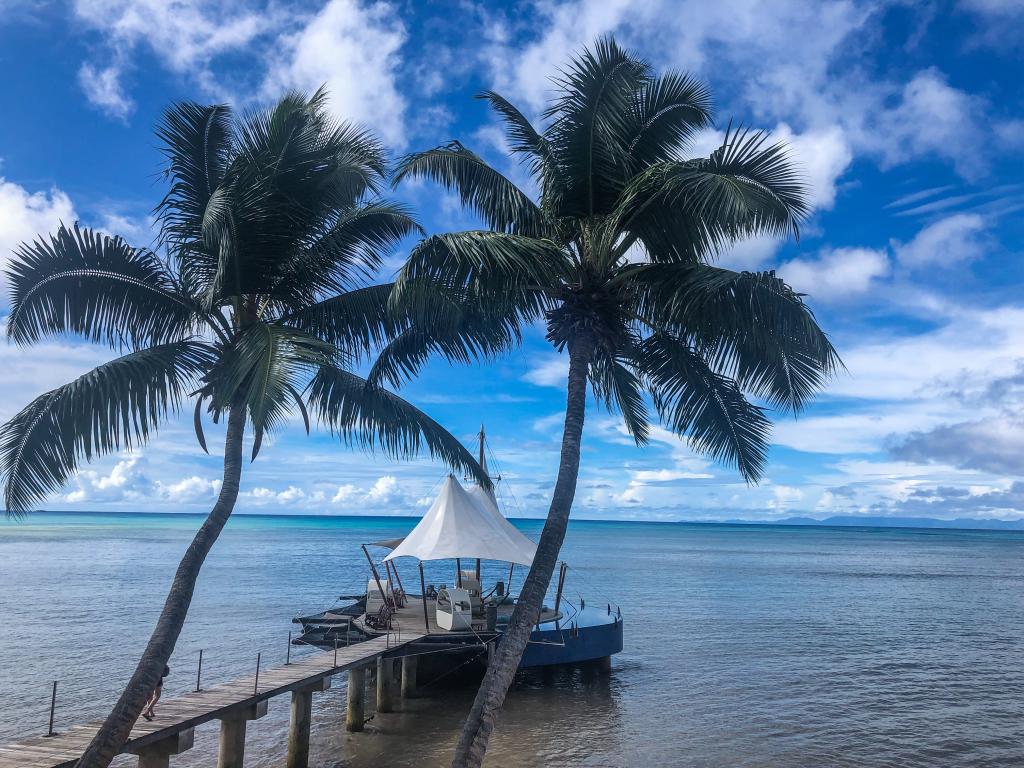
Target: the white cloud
(822, 155)
(354, 48)
(788, 53)
(185, 36)
(103, 88)
(189, 490)
(25, 215)
(837, 274)
(955, 239)
(549, 370)
(384, 490)
(126, 481)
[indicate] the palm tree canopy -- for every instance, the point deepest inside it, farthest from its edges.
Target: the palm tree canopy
(617, 249)
(270, 233)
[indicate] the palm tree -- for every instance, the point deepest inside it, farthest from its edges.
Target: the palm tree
(261, 305)
(615, 257)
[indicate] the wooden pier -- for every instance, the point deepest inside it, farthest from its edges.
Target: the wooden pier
(234, 703)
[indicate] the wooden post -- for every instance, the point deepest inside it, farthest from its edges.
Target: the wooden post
(423, 594)
(478, 571)
(231, 752)
(376, 576)
(298, 731)
(458, 572)
(158, 754)
(355, 714)
(385, 671)
(408, 677)
(199, 672)
(53, 707)
(508, 589)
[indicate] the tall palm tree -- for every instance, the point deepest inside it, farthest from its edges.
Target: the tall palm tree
(272, 228)
(615, 257)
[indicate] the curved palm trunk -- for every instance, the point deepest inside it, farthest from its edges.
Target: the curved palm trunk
(482, 716)
(116, 728)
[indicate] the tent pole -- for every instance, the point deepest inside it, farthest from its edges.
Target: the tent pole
(423, 594)
(508, 589)
(478, 570)
(376, 576)
(561, 583)
(458, 573)
(394, 568)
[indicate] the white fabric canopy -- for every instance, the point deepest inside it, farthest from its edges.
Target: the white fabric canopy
(459, 524)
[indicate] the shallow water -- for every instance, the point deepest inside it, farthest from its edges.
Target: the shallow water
(745, 646)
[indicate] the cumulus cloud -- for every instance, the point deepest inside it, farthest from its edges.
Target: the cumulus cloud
(126, 481)
(24, 216)
(185, 36)
(788, 52)
(353, 48)
(957, 238)
(837, 274)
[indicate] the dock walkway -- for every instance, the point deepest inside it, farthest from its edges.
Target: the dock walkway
(233, 703)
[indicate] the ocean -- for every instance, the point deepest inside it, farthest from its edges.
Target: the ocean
(744, 645)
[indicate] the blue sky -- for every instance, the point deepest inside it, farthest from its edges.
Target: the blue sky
(906, 119)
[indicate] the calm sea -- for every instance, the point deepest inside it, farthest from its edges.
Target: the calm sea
(745, 646)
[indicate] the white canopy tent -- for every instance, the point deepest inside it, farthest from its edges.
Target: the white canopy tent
(463, 524)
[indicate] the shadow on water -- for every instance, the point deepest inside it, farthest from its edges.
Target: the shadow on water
(423, 733)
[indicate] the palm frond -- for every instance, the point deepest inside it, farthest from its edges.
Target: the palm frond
(261, 371)
(113, 407)
(354, 321)
(707, 408)
(370, 416)
(693, 209)
(346, 254)
(458, 328)
(750, 326)
(508, 271)
(667, 111)
(83, 282)
(524, 139)
(499, 202)
(196, 140)
(619, 389)
(590, 126)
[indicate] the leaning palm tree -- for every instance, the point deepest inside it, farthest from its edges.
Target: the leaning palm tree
(259, 306)
(615, 257)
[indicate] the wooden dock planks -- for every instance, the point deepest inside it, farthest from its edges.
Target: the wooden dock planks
(192, 709)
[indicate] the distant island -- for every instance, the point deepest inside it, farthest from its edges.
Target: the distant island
(966, 523)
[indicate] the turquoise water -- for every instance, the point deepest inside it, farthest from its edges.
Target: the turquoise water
(745, 645)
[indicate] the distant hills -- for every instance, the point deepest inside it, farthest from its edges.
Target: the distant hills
(894, 522)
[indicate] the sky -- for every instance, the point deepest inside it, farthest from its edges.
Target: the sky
(906, 120)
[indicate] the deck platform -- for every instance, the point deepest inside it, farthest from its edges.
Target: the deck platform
(219, 702)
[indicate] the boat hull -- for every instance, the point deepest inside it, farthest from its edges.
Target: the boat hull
(591, 635)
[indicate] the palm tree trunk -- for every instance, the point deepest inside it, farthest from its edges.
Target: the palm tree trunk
(112, 736)
(482, 716)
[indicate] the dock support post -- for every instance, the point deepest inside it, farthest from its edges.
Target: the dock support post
(298, 732)
(408, 677)
(231, 752)
(355, 714)
(158, 754)
(301, 719)
(385, 672)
